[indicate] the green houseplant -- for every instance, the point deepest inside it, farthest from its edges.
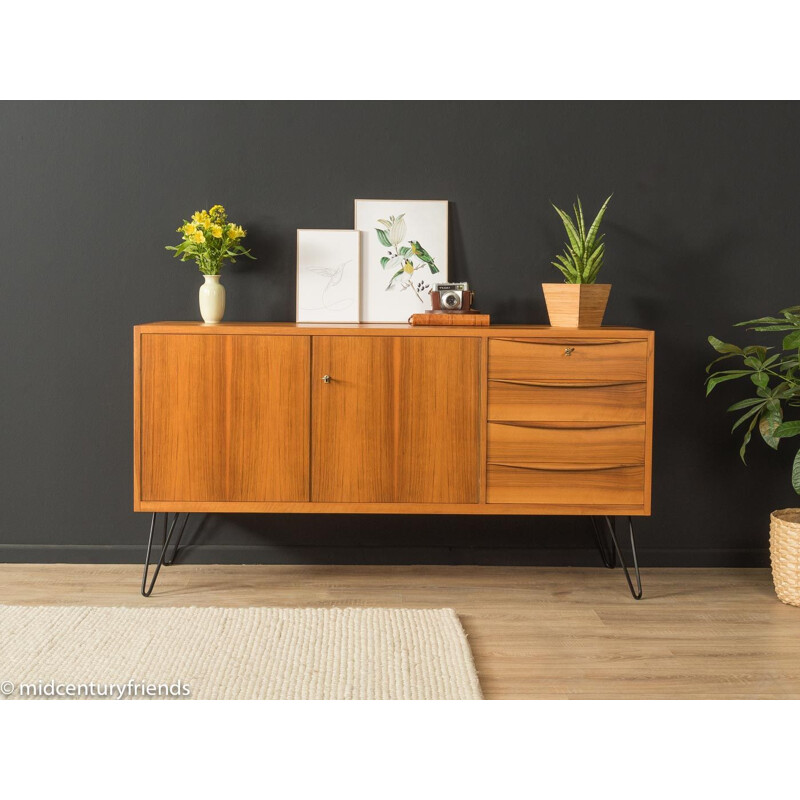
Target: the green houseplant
(579, 302)
(774, 379)
(210, 240)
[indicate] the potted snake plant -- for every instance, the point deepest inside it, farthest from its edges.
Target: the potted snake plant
(579, 302)
(774, 380)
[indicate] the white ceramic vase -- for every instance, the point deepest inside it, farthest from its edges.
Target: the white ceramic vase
(212, 299)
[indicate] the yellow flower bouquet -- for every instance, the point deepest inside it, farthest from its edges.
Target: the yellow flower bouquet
(210, 240)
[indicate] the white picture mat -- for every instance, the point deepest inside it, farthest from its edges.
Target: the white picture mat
(328, 282)
(427, 223)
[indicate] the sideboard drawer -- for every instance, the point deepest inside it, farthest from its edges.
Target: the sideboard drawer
(531, 401)
(554, 484)
(567, 444)
(568, 360)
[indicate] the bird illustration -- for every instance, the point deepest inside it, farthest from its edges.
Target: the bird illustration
(334, 273)
(421, 253)
(328, 298)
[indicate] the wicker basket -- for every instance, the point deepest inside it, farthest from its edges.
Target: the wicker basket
(784, 551)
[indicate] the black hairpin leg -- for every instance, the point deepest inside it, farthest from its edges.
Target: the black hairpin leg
(611, 555)
(162, 559)
(607, 551)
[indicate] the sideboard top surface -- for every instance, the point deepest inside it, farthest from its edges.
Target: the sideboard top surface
(388, 329)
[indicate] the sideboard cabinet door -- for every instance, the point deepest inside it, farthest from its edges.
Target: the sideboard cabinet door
(395, 419)
(224, 417)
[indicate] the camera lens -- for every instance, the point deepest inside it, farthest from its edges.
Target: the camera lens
(450, 300)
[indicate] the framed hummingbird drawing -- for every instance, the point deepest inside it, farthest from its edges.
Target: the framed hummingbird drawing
(328, 275)
(403, 255)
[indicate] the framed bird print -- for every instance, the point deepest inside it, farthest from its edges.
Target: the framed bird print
(403, 255)
(328, 276)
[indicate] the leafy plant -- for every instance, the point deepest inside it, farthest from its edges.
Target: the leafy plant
(775, 378)
(583, 255)
(210, 240)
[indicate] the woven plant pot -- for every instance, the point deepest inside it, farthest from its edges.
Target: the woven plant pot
(784, 553)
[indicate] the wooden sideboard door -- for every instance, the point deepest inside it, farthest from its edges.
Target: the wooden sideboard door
(398, 420)
(224, 418)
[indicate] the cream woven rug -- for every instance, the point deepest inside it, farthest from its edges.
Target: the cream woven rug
(235, 653)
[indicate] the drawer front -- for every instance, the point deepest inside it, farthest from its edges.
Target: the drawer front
(570, 361)
(520, 401)
(569, 444)
(554, 485)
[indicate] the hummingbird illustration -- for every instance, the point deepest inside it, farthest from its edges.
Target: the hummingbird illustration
(334, 273)
(334, 277)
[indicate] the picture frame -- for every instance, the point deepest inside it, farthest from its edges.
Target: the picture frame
(328, 275)
(404, 253)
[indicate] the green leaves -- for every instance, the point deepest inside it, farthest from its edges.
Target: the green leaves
(596, 224)
(774, 376)
(796, 473)
(721, 347)
(771, 418)
(584, 253)
(787, 429)
(383, 237)
(721, 377)
(791, 341)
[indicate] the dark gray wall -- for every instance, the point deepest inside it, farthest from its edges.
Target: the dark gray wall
(700, 234)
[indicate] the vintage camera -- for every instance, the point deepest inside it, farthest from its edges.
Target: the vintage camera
(451, 297)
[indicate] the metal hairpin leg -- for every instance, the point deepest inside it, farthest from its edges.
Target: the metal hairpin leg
(162, 560)
(614, 553)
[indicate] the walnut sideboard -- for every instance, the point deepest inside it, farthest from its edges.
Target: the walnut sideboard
(283, 417)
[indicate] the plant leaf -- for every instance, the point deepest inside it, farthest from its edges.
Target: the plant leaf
(788, 429)
(721, 377)
(771, 418)
(761, 321)
(594, 264)
(383, 238)
(590, 237)
(578, 209)
(574, 237)
(796, 473)
(754, 410)
(771, 328)
(721, 358)
(791, 341)
(746, 439)
(751, 401)
(721, 347)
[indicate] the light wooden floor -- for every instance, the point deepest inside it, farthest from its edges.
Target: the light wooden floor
(535, 632)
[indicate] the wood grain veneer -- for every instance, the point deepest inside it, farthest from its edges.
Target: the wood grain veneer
(410, 422)
(566, 359)
(576, 305)
(580, 402)
(224, 419)
(556, 483)
(398, 421)
(590, 443)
